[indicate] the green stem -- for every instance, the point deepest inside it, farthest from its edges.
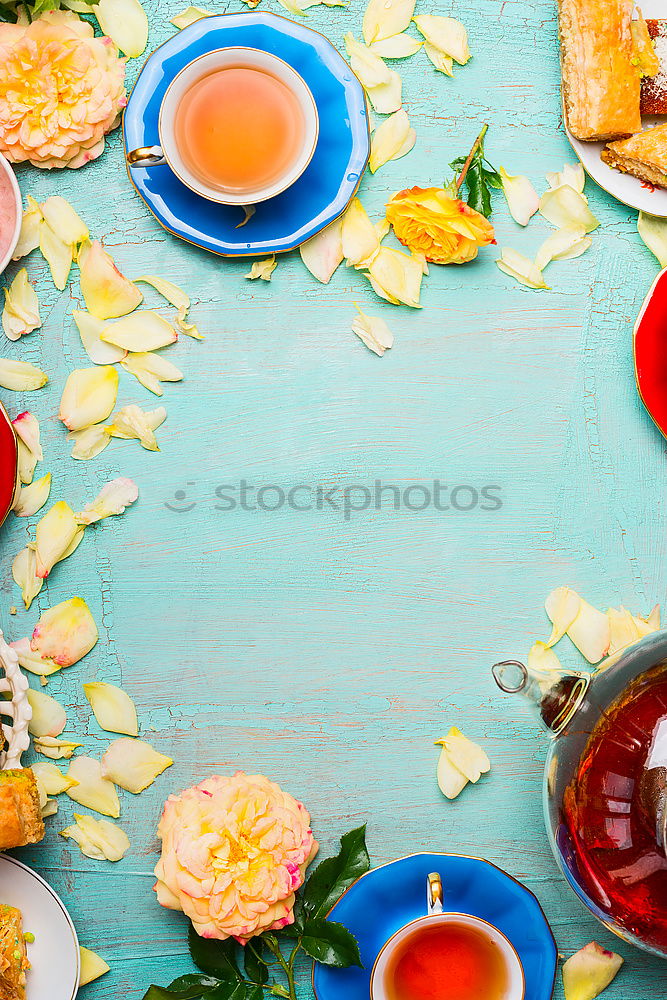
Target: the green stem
(286, 966)
(475, 146)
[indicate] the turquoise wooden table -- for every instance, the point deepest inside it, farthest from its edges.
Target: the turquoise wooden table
(330, 653)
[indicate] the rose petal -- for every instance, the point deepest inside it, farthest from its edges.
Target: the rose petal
(590, 632)
(143, 330)
(21, 312)
(467, 756)
(21, 376)
(450, 780)
(92, 789)
(26, 426)
(373, 331)
(113, 498)
(33, 662)
(359, 236)
(56, 749)
(133, 422)
(572, 175)
(27, 461)
(623, 629)
(65, 633)
(58, 254)
(392, 139)
(24, 571)
(566, 208)
(151, 369)
(32, 498)
(51, 777)
(563, 245)
(653, 231)
(98, 838)
(90, 330)
(54, 534)
(125, 22)
(387, 97)
(522, 199)
(368, 66)
(112, 707)
(133, 764)
(384, 18)
(50, 808)
(190, 16)
(262, 269)
(324, 252)
(89, 396)
(542, 659)
(30, 226)
(446, 34)
(48, 716)
(89, 442)
(248, 211)
(177, 297)
(441, 61)
(107, 292)
(92, 966)
(397, 47)
(517, 266)
(64, 221)
(589, 972)
(562, 606)
(396, 276)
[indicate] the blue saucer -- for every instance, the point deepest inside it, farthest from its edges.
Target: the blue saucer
(321, 193)
(385, 899)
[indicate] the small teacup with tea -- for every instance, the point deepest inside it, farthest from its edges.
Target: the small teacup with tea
(447, 956)
(237, 126)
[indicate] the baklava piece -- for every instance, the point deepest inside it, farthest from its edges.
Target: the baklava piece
(13, 959)
(643, 156)
(21, 820)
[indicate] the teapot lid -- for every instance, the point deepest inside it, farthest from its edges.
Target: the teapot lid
(556, 694)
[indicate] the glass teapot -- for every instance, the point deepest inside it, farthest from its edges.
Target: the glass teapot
(605, 788)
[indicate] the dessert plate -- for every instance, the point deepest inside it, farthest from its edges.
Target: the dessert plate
(649, 352)
(54, 955)
(385, 899)
(626, 189)
(322, 192)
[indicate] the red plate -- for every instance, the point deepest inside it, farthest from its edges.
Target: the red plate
(9, 464)
(650, 348)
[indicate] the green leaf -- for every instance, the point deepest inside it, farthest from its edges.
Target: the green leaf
(255, 968)
(332, 877)
(480, 178)
(330, 943)
(236, 990)
(191, 987)
(217, 958)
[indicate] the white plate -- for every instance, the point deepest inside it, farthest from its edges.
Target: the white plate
(54, 956)
(623, 187)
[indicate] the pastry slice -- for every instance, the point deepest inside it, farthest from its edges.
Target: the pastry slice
(644, 155)
(654, 87)
(601, 76)
(13, 959)
(21, 820)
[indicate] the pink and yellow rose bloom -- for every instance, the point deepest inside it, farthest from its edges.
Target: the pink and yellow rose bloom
(438, 226)
(61, 91)
(234, 852)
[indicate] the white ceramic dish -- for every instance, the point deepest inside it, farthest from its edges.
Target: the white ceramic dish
(14, 184)
(623, 187)
(54, 956)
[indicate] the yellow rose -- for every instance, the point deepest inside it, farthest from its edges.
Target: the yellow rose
(444, 230)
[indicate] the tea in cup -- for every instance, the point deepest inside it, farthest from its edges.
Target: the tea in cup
(237, 126)
(447, 956)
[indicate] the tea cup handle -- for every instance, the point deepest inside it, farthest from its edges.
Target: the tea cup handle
(146, 156)
(434, 894)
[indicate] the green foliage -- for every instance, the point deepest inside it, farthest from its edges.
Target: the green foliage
(480, 178)
(10, 9)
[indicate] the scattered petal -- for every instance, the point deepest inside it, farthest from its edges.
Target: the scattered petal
(359, 235)
(563, 245)
(517, 266)
(190, 16)
(248, 212)
(373, 331)
(442, 62)
(21, 312)
(58, 254)
(125, 22)
(65, 633)
(133, 422)
(388, 97)
(263, 269)
(113, 498)
(48, 716)
(151, 369)
(98, 838)
(382, 85)
(107, 292)
(32, 498)
(396, 276)
(112, 707)
(56, 749)
(522, 199)
(133, 764)
(51, 777)
(54, 534)
(590, 632)
(144, 330)
(385, 18)
(64, 221)
(445, 34)
(92, 966)
(90, 330)
(26, 426)
(562, 606)
(324, 252)
(33, 662)
(653, 231)
(542, 659)
(89, 442)
(393, 138)
(589, 972)
(50, 808)
(21, 376)
(89, 396)
(572, 175)
(450, 780)
(24, 571)
(399, 46)
(30, 226)
(467, 756)
(566, 208)
(92, 789)
(623, 629)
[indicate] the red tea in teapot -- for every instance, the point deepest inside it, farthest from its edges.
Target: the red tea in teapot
(615, 809)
